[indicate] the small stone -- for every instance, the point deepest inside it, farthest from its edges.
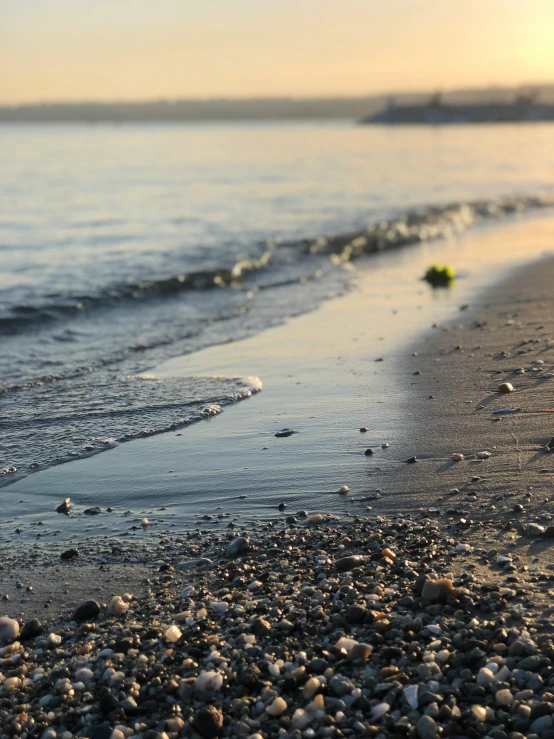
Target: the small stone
(360, 651)
(479, 713)
(368, 452)
(117, 606)
(283, 433)
(344, 490)
(457, 457)
(379, 711)
(88, 609)
(277, 707)
(426, 728)
(239, 545)
(173, 634)
(541, 725)
(349, 563)
(64, 507)
(9, 630)
(69, 554)
(504, 697)
(341, 686)
(129, 704)
(209, 681)
(505, 387)
(411, 460)
(31, 629)
(314, 520)
(410, 693)
(355, 613)
(439, 590)
(260, 627)
(484, 676)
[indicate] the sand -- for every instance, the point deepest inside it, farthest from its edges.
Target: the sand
(323, 377)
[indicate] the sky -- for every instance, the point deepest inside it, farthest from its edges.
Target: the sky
(71, 50)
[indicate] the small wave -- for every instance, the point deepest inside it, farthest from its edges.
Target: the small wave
(419, 225)
(424, 224)
(67, 419)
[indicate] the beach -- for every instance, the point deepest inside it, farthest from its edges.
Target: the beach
(328, 382)
(360, 547)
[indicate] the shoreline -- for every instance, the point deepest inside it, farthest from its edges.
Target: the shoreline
(429, 614)
(383, 481)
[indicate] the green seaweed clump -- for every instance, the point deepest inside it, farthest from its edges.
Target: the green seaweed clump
(440, 275)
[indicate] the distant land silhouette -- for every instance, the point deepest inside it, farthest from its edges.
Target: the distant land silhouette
(527, 106)
(367, 108)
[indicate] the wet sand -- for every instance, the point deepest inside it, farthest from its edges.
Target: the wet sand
(322, 377)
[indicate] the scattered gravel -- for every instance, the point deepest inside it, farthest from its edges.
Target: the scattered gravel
(340, 628)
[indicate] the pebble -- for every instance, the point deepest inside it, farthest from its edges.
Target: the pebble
(9, 630)
(505, 387)
(439, 590)
(355, 628)
(173, 634)
(88, 609)
(64, 507)
(238, 546)
(479, 713)
(349, 563)
(117, 606)
(208, 681)
(208, 722)
(426, 728)
(31, 629)
(277, 707)
(504, 697)
(69, 554)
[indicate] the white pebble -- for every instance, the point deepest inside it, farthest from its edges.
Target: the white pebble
(220, 607)
(117, 606)
(208, 681)
(379, 710)
(12, 683)
(410, 693)
(300, 719)
(277, 707)
(9, 630)
(173, 634)
(311, 687)
(504, 697)
(479, 713)
(484, 677)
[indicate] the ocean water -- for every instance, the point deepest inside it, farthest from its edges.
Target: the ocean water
(123, 246)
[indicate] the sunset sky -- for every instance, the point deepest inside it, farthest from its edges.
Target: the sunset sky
(57, 50)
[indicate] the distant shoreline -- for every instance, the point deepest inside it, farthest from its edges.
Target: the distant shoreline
(355, 108)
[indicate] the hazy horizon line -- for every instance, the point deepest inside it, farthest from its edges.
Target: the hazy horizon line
(288, 97)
